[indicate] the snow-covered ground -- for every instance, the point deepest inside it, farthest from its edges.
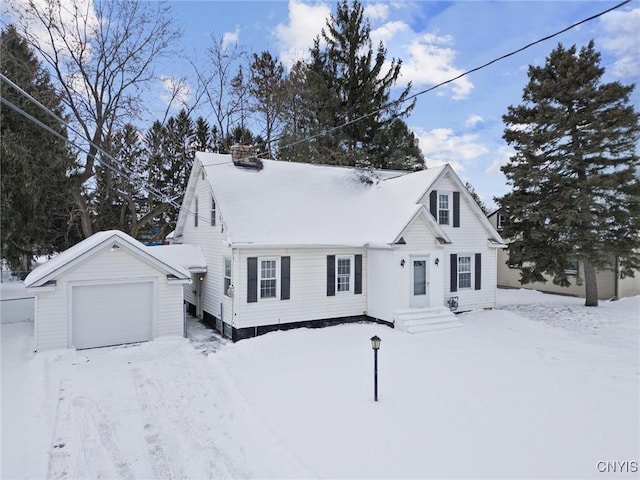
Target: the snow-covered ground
(539, 388)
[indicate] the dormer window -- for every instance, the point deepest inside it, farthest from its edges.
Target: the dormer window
(443, 209)
(500, 221)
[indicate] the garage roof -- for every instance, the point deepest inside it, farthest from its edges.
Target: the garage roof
(96, 243)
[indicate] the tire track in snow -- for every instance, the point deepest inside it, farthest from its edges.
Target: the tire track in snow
(98, 438)
(83, 440)
(160, 464)
(59, 461)
(196, 441)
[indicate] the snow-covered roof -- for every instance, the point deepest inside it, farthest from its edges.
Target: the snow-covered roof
(188, 256)
(95, 243)
(302, 204)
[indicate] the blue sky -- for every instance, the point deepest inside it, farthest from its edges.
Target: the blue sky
(459, 123)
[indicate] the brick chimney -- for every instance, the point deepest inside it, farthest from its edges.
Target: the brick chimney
(245, 156)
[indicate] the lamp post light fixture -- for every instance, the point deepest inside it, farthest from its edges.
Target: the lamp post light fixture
(375, 344)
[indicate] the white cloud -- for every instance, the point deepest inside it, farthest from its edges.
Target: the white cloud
(377, 11)
(305, 23)
(385, 33)
(502, 158)
(77, 19)
(623, 40)
(431, 61)
(230, 38)
(473, 120)
(177, 91)
(442, 145)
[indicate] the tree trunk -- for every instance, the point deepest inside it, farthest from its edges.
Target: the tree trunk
(590, 285)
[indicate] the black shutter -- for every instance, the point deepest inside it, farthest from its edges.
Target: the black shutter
(456, 209)
(331, 275)
(454, 273)
(358, 275)
(478, 271)
(285, 278)
(252, 279)
(433, 204)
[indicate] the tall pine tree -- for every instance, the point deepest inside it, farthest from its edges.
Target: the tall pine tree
(346, 85)
(38, 215)
(576, 190)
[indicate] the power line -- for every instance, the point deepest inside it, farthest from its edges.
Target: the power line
(124, 171)
(422, 92)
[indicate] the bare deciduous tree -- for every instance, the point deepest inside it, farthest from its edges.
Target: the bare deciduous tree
(101, 56)
(215, 85)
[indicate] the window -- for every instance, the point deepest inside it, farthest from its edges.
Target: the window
(464, 272)
(443, 209)
(343, 277)
(227, 275)
(572, 269)
(195, 215)
(268, 280)
(213, 211)
(500, 221)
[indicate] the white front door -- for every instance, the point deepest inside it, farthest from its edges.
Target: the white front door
(199, 288)
(419, 297)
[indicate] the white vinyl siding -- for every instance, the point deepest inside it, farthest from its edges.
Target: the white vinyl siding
(308, 299)
(470, 238)
(53, 308)
(390, 284)
(214, 245)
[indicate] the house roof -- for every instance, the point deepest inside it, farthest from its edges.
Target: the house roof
(187, 256)
(297, 204)
(98, 242)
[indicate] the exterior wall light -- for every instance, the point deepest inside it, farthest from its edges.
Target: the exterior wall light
(402, 263)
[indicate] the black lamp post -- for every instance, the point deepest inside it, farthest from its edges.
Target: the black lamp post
(375, 344)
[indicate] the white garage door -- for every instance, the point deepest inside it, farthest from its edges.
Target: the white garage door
(111, 314)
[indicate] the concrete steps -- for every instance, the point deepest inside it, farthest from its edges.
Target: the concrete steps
(417, 320)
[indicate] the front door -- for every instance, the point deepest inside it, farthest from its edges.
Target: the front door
(419, 298)
(199, 288)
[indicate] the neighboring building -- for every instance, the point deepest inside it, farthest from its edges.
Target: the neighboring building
(610, 285)
(291, 244)
(108, 290)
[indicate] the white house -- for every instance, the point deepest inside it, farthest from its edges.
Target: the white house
(291, 244)
(110, 289)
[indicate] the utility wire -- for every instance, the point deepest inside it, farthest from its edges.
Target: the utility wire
(127, 173)
(119, 169)
(422, 92)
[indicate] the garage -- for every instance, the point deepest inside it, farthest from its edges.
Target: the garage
(112, 314)
(107, 290)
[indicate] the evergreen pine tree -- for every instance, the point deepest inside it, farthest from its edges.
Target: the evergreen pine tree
(345, 86)
(576, 190)
(37, 216)
(267, 88)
